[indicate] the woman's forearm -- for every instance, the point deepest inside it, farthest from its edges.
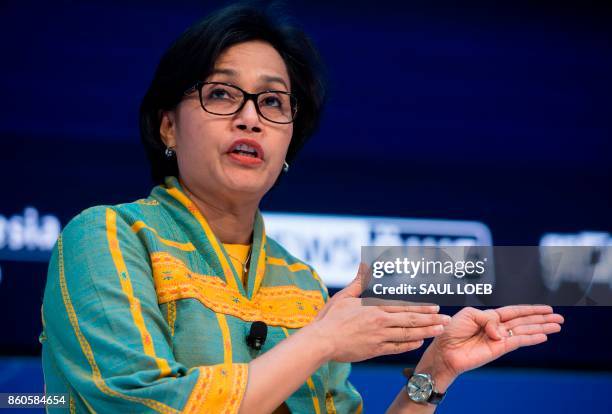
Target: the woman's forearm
(344, 331)
(403, 405)
(278, 373)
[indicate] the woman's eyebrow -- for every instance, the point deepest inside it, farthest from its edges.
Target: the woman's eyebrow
(275, 79)
(223, 71)
(264, 78)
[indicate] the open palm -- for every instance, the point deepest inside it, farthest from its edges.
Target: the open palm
(475, 337)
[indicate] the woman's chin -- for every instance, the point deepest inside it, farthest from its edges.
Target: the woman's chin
(250, 182)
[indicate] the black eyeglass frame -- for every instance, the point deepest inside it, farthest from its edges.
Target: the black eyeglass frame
(246, 96)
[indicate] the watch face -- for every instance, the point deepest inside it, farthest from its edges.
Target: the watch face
(419, 387)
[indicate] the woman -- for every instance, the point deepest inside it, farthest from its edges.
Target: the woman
(148, 304)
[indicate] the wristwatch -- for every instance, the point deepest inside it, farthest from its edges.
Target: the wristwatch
(421, 388)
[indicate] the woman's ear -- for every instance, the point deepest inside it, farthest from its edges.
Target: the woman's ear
(167, 129)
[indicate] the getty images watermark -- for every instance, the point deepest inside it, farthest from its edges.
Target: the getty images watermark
(489, 275)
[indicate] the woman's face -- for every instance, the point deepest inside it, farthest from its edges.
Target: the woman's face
(205, 144)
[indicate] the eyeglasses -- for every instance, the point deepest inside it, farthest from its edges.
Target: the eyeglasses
(220, 98)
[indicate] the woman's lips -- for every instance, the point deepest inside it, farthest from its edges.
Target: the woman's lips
(245, 159)
(246, 152)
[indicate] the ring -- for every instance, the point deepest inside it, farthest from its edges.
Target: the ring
(510, 333)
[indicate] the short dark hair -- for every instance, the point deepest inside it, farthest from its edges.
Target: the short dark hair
(192, 58)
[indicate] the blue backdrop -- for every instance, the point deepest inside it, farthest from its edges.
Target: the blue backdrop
(488, 112)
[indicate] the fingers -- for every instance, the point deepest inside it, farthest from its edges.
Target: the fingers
(544, 328)
(516, 311)
(411, 308)
(489, 321)
(534, 319)
(415, 320)
(518, 341)
(388, 348)
(403, 334)
(520, 315)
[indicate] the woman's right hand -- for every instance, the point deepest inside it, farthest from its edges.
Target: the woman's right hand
(355, 332)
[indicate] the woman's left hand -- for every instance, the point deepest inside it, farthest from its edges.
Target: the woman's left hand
(475, 337)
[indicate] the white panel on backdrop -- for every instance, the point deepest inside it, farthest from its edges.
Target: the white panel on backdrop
(332, 244)
(28, 236)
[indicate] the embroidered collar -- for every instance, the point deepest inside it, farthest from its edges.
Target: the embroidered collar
(186, 214)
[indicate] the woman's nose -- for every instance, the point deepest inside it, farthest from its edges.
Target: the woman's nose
(248, 118)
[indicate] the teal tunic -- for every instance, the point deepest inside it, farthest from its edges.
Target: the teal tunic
(143, 312)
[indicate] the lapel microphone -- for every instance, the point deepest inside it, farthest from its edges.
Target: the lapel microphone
(257, 335)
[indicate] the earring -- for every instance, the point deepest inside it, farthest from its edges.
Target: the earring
(169, 153)
(285, 166)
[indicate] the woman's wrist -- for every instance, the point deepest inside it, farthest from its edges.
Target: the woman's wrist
(321, 341)
(431, 363)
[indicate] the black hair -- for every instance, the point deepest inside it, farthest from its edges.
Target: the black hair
(192, 58)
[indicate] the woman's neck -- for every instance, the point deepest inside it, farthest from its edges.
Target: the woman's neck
(231, 222)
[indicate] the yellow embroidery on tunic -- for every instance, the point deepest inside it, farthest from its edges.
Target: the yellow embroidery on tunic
(316, 276)
(287, 306)
(294, 267)
(261, 264)
(89, 407)
(71, 406)
(86, 348)
(146, 202)
(187, 247)
(329, 403)
(313, 393)
(43, 335)
(171, 316)
(219, 389)
(277, 261)
(126, 286)
(224, 379)
(227, 340)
